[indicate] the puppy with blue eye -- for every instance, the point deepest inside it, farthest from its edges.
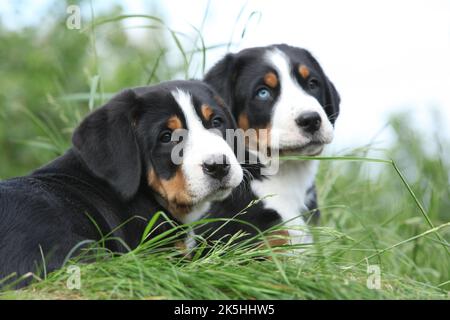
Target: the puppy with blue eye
(281, 92)
(119, 172)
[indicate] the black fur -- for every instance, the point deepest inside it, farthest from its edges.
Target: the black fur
(97, 185)
(236, 77)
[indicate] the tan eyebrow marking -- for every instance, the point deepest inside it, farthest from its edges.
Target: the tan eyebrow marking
(271, 79)
(304, 71)
(207, 112)
(174, 123)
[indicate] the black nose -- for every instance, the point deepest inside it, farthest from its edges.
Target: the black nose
(216, 167)
(309, 121)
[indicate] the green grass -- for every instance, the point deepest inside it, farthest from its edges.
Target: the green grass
(392, 213)
(361, 226)
(230, 272)
(233, 276)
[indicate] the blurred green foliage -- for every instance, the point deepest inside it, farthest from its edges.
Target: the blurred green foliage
(47, 72)
(370, 203)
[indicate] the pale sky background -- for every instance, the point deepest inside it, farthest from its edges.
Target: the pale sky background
(383, 56)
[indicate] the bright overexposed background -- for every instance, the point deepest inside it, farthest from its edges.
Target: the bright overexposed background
(383, 56)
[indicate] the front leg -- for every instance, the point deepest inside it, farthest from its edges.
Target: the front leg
(312, 216)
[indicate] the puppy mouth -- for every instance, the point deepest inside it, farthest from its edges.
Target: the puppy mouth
(215, 194)
(215, 191)
(312, 148)
(182, 206)
(219, 193)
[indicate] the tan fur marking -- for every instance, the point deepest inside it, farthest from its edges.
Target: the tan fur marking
(174, 123)
(271, 80)
(154, 182)
(278, 238)
(183, 249)
(173, 190)
(304, 71)
(181, 246)
(264, 137)
(243, 121)
(207, 112)
(260, 140)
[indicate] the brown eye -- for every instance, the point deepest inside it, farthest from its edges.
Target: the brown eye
(165, 136)
(313, 84)
(217, 122)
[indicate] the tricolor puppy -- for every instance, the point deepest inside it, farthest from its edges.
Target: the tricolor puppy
(121, 166)
(283, 90)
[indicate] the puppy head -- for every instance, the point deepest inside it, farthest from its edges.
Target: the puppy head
(161, 137)
(282, 89)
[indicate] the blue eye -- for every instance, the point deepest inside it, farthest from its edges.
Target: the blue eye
(263, 94)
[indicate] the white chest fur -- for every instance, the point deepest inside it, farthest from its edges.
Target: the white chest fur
(285, 192)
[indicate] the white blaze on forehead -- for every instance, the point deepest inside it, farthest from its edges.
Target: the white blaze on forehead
(291, 103)
(198, 137)
(280, 62)
(184, 100)
(201, 145)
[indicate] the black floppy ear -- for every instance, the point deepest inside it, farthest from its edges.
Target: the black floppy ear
(332, 101)
(220, 77)
(106, 142)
